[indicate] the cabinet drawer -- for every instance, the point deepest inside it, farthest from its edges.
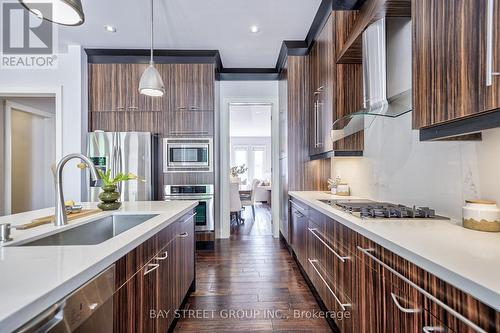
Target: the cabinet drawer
(336, 261)
(457, 310)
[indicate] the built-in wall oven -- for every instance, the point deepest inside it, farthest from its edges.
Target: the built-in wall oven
(187, 155)
(204, 194)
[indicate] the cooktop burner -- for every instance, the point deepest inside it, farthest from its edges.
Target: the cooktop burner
(385, 210)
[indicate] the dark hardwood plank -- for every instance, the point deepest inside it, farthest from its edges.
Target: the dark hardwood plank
(253, 274)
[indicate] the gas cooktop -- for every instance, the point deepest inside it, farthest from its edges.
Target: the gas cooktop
(383, 210)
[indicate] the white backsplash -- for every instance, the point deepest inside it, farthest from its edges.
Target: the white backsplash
(397, 167)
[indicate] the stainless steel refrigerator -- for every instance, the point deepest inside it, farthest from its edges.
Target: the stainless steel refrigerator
(134, 152)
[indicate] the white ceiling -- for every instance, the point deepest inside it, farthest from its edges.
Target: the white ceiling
(250, 120)
(222, 25)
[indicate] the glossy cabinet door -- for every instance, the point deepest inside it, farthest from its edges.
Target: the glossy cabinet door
(115, 87)
(193, 87)
(455, 61)
(299, 235)
(321, 77)
(489, 70)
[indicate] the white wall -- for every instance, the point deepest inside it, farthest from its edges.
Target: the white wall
(397, 167)
(70, 76)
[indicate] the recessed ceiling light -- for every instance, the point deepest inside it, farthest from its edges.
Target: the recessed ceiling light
(254, 29)
(109, 28)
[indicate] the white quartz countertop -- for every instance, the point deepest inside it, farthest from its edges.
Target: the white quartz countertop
(467, 259)
(33, 278)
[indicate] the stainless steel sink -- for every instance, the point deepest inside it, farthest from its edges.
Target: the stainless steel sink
(92, 233)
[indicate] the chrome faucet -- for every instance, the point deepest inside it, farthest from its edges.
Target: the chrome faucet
(61, 217)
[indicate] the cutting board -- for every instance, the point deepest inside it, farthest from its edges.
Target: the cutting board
(50, 219)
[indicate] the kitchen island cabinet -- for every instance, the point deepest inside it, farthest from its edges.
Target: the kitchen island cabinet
(147, 301)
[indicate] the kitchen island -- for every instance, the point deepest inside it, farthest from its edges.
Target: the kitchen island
(33, 278)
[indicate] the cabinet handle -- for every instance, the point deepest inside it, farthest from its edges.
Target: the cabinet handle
(489, 43)
(133, 108)
(150, 268)
(298, 214)
(402, 309)
(428, 329)
(194, 108)
(431, 297)
(165, 256)
(120, 108)
(313, 231)
(50, 318)
(321, 89)
(342, 305)
(183, 235)
(316, 124)
(189, 218)
(182, 108)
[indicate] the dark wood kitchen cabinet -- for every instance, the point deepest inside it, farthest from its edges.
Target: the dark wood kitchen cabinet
(193, 87)
(298, 232)
(153, 279)
(376, 289)
(115, 87)
(450, 60)
(336, 89)
(190, 123)
(321, 78)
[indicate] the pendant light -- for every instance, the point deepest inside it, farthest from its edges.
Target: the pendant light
(151, 83)
(64, 12)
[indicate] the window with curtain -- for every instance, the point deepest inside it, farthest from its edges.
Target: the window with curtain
(240, 157)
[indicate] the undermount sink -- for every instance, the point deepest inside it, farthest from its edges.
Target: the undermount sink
(92, 233)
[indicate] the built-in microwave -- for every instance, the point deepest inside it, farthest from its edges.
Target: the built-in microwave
(187, 154)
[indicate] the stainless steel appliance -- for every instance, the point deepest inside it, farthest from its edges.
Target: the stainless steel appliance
(124, 152)
(187, 155)
(204, 194)
(87, 310)
(383, 210)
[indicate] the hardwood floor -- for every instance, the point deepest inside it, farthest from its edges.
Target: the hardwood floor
(260, 225)
(249, 283)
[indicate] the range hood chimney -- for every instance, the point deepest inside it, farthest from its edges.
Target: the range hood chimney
(375, 101)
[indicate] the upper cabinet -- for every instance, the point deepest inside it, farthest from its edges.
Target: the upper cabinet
(193, 87)
(322, 106)
(455, 60)
(115, 87)
(336, 89)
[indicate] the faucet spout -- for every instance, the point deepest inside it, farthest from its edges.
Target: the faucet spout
(61, 217)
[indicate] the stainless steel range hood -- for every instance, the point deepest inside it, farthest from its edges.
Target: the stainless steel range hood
(376, 104)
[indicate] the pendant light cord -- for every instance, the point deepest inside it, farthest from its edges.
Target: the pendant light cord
(152, 20)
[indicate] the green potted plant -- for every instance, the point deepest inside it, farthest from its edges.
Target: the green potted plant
(110, 195)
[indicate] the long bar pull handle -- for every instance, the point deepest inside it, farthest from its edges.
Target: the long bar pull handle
(319, 142)
(342, 305)
(343, 259)
(183, 235)
(429, 329)
(150, 268)
(490, 9)
(401, 308)
(424, 292)
(316, 124)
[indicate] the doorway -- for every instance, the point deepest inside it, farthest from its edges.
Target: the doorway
(29, 151)
(250, 131)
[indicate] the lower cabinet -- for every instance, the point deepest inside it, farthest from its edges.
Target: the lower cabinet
(368, 288)
(147, 300)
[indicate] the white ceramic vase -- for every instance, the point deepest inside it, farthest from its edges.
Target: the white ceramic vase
(482, 215)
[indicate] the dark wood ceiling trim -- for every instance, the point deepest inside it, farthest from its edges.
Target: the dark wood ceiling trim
(105, 56)
(248, 74)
